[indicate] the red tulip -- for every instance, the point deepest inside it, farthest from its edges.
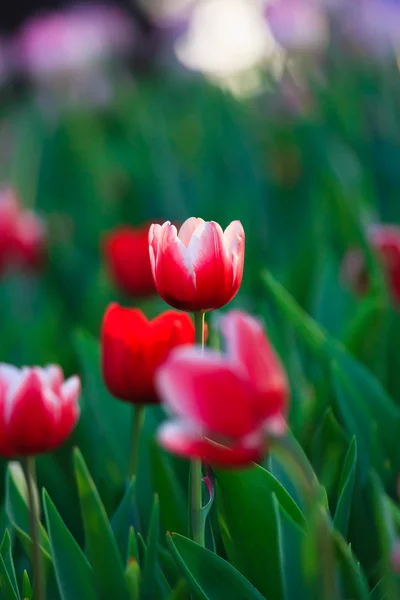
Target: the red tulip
(38, 409)
(30, 240)
(225, 403)
(128, 260)
(22, 234)
(201, 267)
(385, 239)
(133, 348)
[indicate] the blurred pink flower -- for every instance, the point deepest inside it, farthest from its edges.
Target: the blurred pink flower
(22, 234)
(298, 25)
(73, 40)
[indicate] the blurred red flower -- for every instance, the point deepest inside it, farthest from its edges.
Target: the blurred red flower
(385, 239)
(128, 260)
(22, 234)
(38, 409)
(225, 404)
(201, 267)
(134, 347)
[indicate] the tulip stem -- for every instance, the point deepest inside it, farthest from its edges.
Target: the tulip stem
(196, 470)
(138, 420)
(29, 468)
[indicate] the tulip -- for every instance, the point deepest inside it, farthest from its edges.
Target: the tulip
(385, 240)
(22, 234)
(200, 268)
(128, 260)
(134, 347)
(38, 409)
(224, 404)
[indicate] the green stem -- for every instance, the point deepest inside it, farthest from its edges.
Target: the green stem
(196, 470)
(29, 468)
(138, 420)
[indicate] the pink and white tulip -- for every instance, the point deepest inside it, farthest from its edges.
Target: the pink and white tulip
(199, 268)
(225, 405)
(38, 409)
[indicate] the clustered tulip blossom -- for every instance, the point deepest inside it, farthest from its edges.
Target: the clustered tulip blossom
(127, 257)
(134, 347)
(22, 234)
(199, 268)
(224, 404)
(385, 240)
(38, 409)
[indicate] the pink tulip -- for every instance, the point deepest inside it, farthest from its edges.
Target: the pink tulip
(201, 267)
(38, 409)
(225, 404)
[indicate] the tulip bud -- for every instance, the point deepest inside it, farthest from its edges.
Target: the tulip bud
(38, 409)
(201, 267)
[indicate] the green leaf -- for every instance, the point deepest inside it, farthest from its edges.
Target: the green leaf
(167, 485)
(6, 554)
(133, 551)
(209, 576)
(6, 587)
(250, 525)
(27, 593)
(104, 428)
(108, 571)
(73, 572)
(132, 576)
(378, 593)
(124, 517)
(346, 487)
(387, 536)
(154, 585)
(291, 541)
(180, 592)
(364, 406)
(354, 582)
(328, 451)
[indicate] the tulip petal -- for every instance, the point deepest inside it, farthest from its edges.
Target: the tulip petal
(209, 391)
(127, 254)
(69, 394)
(172, 268)
(248, 345)
(6, 449)
(122, 333)
(180, 438)
(9, 376)
(32, 413)
(213, 267)
(234, 241)
(187, 229)
(54, 377)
